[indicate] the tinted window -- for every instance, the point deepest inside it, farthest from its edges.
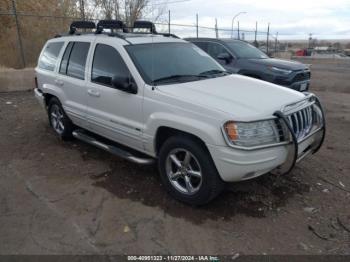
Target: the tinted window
(107, 63)
(77, 60)
(64, 63)
(202, 45)
(215, 49)
(49, 57)
(161, 60)
(245, 50)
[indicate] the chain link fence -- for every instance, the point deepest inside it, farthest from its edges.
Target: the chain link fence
(22, 35)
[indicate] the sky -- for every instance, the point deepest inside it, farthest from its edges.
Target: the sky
(294, 19)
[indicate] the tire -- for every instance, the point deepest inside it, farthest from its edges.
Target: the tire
(202, 188)
(59, 121)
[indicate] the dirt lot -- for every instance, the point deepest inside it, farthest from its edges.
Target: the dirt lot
(67, 197)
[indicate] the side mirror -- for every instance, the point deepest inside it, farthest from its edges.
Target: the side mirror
(225, 56)
(125, 84)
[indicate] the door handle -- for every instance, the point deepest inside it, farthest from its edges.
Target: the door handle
(59, 82)
(94, 93)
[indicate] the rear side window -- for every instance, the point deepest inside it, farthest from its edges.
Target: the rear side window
(74, 59)
(49, 57)
(106, 64)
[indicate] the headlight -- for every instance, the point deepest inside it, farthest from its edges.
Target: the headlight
(252, 134)
(281, 70)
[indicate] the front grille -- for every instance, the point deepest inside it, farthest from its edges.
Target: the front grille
(302, 121)
(302, 76)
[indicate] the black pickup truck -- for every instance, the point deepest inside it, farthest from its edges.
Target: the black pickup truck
(243, 58)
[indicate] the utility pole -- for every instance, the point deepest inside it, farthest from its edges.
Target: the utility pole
(238, 33)
(169, 22)
(18, 33)
(197, 25)
(233, 21)
(267, 39)
(216, 28)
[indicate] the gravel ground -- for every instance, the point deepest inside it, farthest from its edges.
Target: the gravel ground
(70, 198)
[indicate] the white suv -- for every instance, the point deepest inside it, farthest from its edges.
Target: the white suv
(151, 97)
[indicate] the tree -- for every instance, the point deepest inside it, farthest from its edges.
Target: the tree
(126, 10)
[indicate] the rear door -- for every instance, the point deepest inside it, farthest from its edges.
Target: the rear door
(113, 113)
(72, 80)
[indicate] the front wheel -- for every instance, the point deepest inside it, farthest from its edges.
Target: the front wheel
(188, 172)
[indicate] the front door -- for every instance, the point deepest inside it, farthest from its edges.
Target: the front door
(113, 113)
(216, 49)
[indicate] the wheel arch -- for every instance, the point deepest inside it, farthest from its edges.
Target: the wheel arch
(164, 132)
(48, 98)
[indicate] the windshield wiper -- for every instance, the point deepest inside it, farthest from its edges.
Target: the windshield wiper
(177, 78)
(214, 72)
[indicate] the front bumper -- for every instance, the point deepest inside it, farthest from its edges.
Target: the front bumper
(40, 97)
(237, 165)
(298, 80)
(302, 86)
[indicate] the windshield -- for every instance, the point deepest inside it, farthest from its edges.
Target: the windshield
(164, 63)
(245, 50)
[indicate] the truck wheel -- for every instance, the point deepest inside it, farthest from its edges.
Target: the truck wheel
(188, 172)
(59, 121)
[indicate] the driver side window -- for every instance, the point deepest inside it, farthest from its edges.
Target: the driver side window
(107, 63)
(215, 49)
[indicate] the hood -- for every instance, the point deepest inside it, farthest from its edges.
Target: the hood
(244, 98)
(285, 64)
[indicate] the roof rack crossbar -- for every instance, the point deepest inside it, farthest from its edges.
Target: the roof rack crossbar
(152, 28)
(81, 25)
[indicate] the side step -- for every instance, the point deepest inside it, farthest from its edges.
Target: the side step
(84, 136)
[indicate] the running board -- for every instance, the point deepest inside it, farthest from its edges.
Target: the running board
(83, 136)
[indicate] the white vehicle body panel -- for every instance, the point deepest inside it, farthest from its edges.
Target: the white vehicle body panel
(199, 108)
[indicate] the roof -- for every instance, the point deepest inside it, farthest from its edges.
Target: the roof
(123, 38)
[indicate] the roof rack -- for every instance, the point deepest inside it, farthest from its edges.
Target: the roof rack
(110, 24)
(152, 28)
(145, 25)
(114, 25)
(81, 25)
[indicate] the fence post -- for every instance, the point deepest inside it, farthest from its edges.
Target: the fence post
(267, 39)
(82, 9)
(276, 41)
(197, 25)
(169, 23)
(216, 28)
(256, 30)
(18, 33)
(238, 33)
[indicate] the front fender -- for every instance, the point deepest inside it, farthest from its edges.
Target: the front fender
(209, 133)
